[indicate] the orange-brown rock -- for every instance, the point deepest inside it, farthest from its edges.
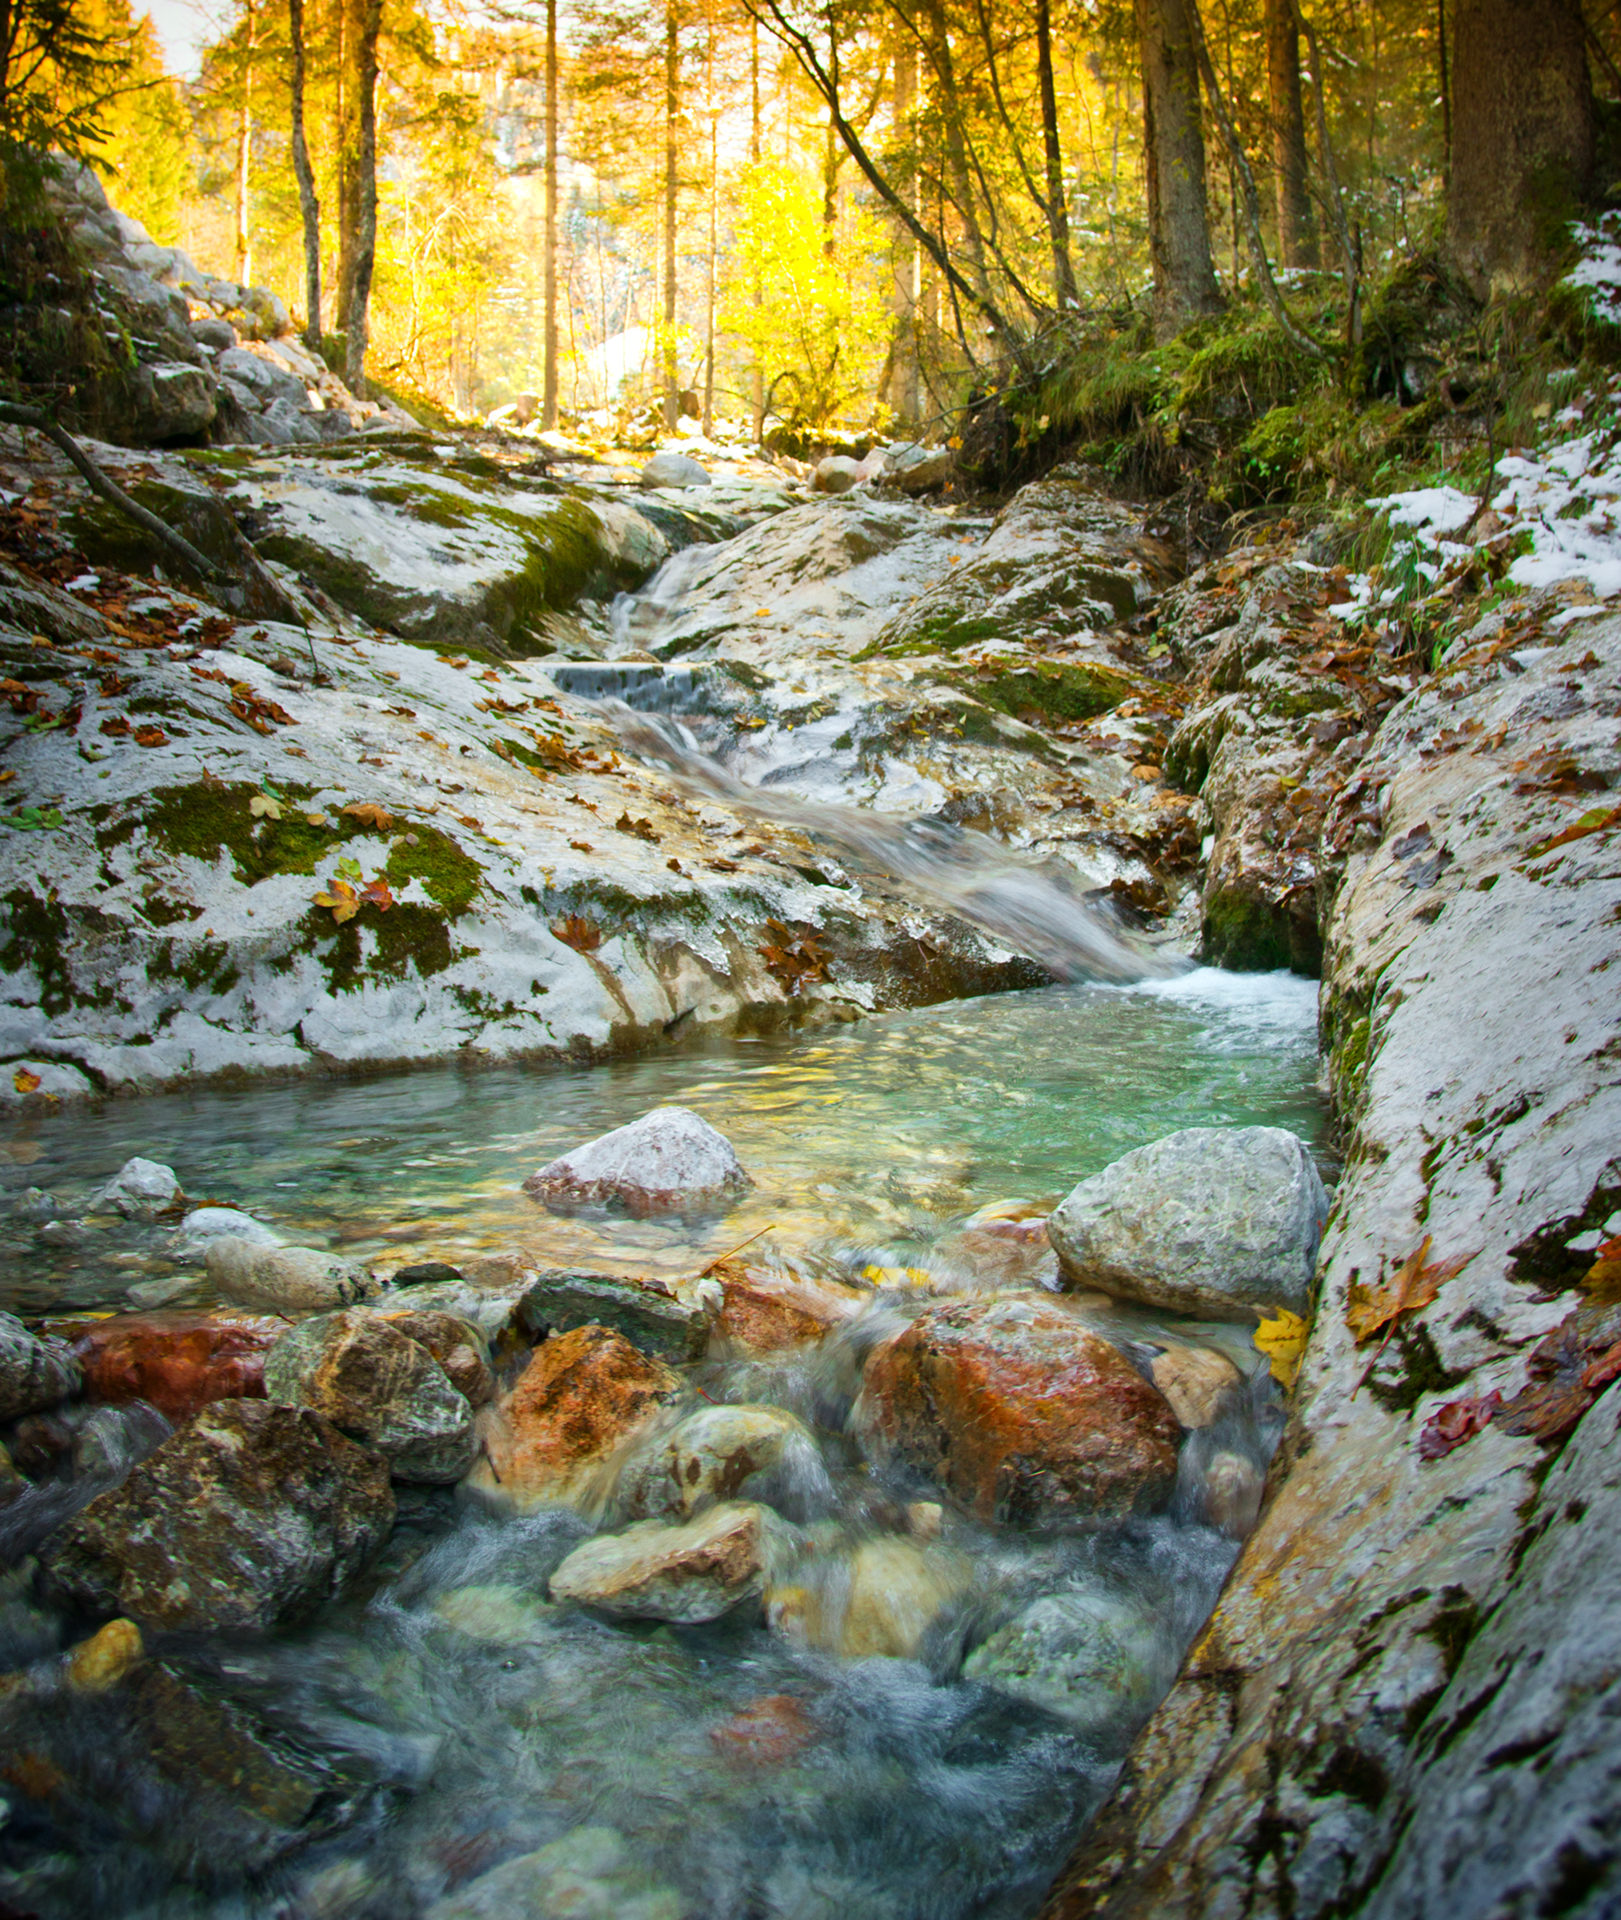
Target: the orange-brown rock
(454, 1345)
(764, 1311)
(582, 1395)
(176, 1361)
(1022, 1411)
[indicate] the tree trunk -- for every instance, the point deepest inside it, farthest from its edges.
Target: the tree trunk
(756, 372)
(244, 153)
(304, 173)
(1522, 135)
(1446, 92)
(1173, 149)
(548, 401)
(937, 39)
(1057, 198)
(672, 108)
(905, 285)
(1297, 233)
(360, 164)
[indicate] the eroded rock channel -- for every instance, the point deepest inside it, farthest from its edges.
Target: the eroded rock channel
(733, 1454)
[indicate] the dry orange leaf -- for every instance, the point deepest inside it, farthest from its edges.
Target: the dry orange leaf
(151, 737)
(1414, 1284)
(575, 931)
(376, 893)
(369, 814)
(25, 1081)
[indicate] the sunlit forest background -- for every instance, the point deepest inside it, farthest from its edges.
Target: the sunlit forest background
(796, 285)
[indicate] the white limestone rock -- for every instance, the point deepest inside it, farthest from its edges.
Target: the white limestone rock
(669, 1161)
(139, 1190)
(684, 1573)
(674, 470)
(290, 1280)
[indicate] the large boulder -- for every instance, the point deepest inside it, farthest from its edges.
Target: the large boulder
(378, 1385)
(284, 1279)
(647, 1312)
(1212, 1221)
(727, 1453)
(583, 1395)
(34, 1373)
(248, 1519)
(837, 473)
(669, 1161)
(178, 1361)
(687, 1574)
(1022, 1411)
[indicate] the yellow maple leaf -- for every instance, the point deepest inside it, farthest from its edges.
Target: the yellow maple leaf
(262, 807)
(1283, 1341)
(1414, 1284)
(342, 899)
(25, 1081)
(369, 814)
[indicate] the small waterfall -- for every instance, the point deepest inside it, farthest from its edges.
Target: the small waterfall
(946, 868)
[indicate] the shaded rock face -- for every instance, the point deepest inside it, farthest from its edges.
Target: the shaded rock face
(669, 1161)
(688, 1573)
(646, 1312)
(1426, 1728)
(249, 1519)
(289, 1280)
(1022, 1412)
(176, 1361)
(454, 1342)
(581, 1397)
(1210, 1221)
(34, 1373)
(376, 1383)
(726, 1453)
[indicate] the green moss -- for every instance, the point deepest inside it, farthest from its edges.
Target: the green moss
(1296, 706)
(204, 966)
(943, 632)
(401, 939)
(36, 931)
(1049, 690)
(203, 819)
(1252, 935)
(450, 876)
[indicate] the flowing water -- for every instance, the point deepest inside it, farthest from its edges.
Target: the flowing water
(458, 1719)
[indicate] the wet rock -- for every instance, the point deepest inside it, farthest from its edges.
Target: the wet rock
(919, 470)
(177, 1362)
(34, 1373)
(897, 1590)
(290, 1280)
(140, 1190)
(646, 1312)
(455, 1343)
(686, 1574)
(837, 473)
(674, 470)
(588, 1874)
(1022, 1412)
(728, 1453)
(1089, 1659)
(106, 1657)
(669, 1161)
(582, 1396)
(12, 1482)
(1198, 1382)
(205, 1224)
(763, 1311)
(34, 1206)
(1232, 1489)
(1208, 1222)
(248, 1519)
(427, 1273)
(377, 1384)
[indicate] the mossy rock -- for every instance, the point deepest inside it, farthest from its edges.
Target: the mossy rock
(1048, 690)
(1250, 934)
(108, 538)
(204, 818)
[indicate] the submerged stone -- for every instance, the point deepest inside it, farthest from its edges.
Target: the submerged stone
(1198, 1382)
(1089, 1659)
(1208, 1222)
(588, 1874)
(727, 1453)
(176, 1361)
(669, 1161)
(686, 1574)
(290, 1280)
(34, 1373)
(1022, 1411)
(248, 1519)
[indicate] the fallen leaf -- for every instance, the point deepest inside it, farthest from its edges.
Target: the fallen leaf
(581, 846)
(151, 737)
(673, 865)
(349, 867)
(342, 899)
(116, 727)
(1457, 1421)
(262, 807)
(1596, 820)
(376, 893)
(1556, 1394)
(1413, 1285)
(638, 829)
(1283, 1341)
(9, 775)
(25, 1081)
(575, 931)
(369, 814)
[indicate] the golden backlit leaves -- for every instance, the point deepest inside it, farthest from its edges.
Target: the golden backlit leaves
(1283, 1340)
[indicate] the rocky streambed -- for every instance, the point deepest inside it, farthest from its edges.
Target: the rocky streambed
(830, 759)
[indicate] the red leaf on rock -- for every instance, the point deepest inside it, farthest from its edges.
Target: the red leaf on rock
(1457, 1421)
